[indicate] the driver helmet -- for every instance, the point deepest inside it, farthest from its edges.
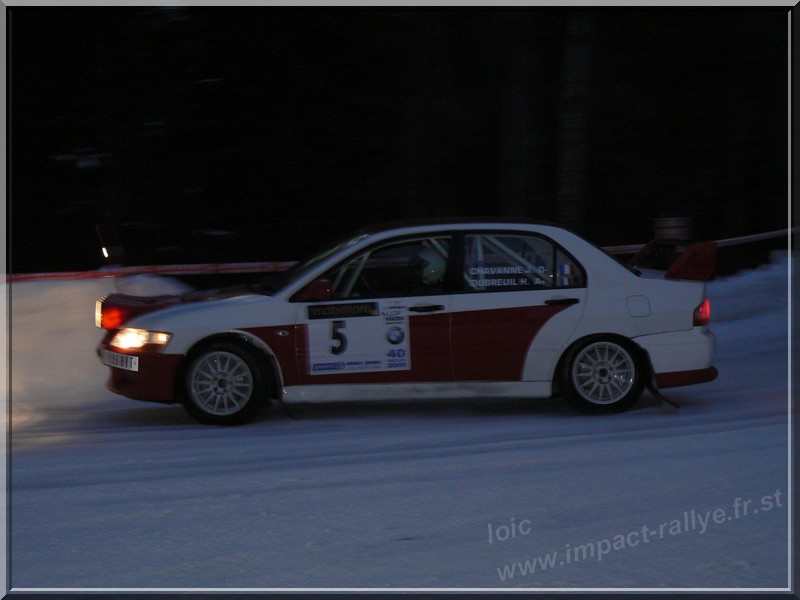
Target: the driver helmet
(433, 267)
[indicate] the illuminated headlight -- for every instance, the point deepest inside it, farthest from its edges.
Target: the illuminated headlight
(138, 339)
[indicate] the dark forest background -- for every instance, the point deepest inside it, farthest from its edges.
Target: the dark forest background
(250, 134)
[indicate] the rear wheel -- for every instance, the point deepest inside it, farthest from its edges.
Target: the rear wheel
(224, 384)
(602, 375)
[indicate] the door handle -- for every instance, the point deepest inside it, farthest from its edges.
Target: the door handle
(562, 301)
(426, 308)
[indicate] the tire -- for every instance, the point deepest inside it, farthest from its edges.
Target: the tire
(224, 384)
(602, 375)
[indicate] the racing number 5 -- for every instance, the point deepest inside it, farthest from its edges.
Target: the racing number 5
(338, 339)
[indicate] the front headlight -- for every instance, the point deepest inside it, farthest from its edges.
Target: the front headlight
(140, 339)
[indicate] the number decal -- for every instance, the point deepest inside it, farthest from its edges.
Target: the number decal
(358, 338)
(338, 339)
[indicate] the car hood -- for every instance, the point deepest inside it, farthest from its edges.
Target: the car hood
(223, 312)
(119, 309)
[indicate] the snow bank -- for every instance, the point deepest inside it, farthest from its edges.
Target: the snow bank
(752, 293)
(53, 338)
(149, 285)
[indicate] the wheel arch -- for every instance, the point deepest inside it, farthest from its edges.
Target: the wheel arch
(245, 340)
(641, 353)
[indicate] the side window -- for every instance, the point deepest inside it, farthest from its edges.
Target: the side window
(409, 268)
(515, 262)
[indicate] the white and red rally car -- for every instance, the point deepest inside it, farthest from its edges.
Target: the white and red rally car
(428, 309)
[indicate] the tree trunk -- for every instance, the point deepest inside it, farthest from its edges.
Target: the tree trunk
(573, 121)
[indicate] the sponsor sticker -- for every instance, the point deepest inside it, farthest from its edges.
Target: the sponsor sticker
(343, 311)
(326, 367)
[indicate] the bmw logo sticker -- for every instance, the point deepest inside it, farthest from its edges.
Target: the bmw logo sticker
(396, 335)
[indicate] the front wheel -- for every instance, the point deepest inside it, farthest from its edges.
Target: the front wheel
(602, 375)
(224, 385)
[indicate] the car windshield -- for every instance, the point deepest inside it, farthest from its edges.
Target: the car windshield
(274, 282)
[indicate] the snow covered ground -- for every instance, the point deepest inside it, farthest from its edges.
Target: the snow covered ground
(108, 492)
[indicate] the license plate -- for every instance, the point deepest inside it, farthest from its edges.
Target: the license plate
(121, 361)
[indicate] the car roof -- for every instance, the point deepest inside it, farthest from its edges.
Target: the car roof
(401, 224)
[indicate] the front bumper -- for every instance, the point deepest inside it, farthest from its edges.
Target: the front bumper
(154, 381)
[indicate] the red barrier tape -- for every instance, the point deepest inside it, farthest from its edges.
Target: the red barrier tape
(200, 269)
(272, 267)
(745, 239)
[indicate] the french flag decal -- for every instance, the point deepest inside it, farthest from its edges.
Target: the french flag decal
(565, 275)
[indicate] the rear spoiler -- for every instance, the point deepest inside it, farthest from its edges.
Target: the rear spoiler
(694, 262)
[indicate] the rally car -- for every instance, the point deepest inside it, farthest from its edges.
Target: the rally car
(420, 310)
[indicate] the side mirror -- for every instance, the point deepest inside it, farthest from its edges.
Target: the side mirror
(319, 289)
